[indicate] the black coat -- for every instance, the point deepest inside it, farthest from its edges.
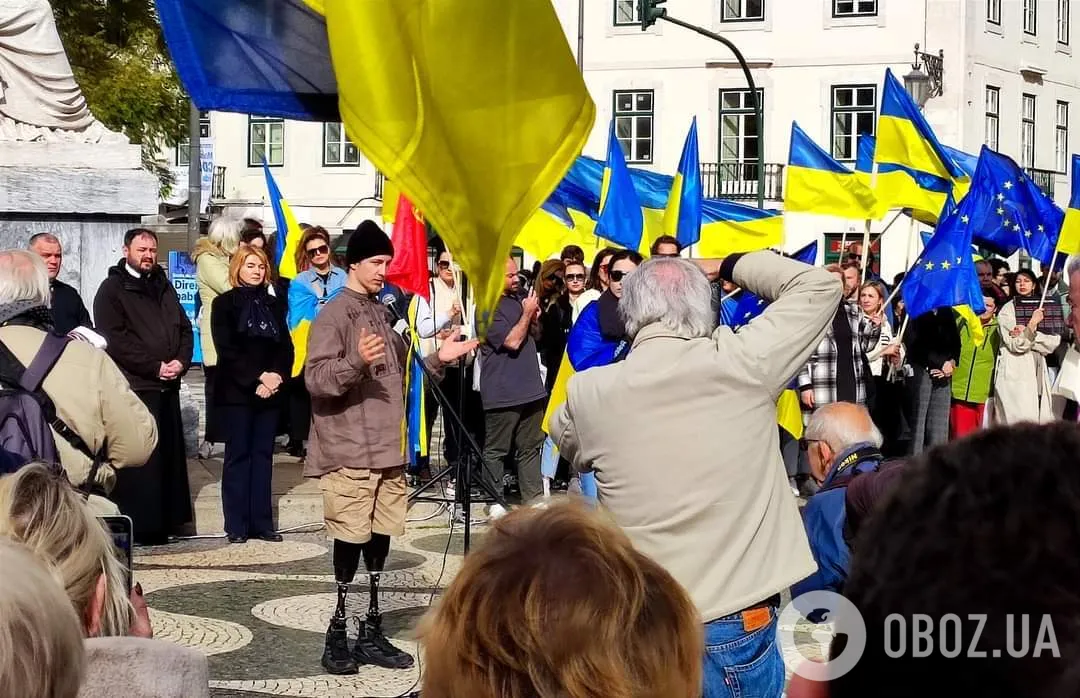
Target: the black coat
(932, 339)
(144, 324)
(68, 310)
(242, 358)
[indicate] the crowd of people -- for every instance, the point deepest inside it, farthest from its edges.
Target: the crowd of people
(615, 379)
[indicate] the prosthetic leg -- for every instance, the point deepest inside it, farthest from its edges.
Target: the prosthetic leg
(371, 647)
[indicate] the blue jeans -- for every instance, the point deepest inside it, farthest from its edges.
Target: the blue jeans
(739, 664)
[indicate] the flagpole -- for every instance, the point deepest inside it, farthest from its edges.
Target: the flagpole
(1046, 284)
(865, 263)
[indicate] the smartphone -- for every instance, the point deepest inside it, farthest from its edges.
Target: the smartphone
(120, 529)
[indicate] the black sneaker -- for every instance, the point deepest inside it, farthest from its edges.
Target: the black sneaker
(336, 658)
(372, 647)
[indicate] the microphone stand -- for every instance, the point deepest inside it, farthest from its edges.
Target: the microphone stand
(464, 466)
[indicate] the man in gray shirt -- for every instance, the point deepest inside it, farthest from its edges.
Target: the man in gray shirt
(512, 391)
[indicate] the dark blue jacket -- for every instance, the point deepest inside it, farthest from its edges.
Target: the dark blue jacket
(825, 517)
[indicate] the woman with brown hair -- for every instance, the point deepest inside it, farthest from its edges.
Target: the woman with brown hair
(256, 355)
(557, 602)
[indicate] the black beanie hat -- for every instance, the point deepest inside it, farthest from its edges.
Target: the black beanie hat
(368, 241)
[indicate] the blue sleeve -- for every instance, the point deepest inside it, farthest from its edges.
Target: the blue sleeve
(823, 517)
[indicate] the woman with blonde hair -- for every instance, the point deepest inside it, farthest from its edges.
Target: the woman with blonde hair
(557, 602)
(211, 256)
(256, 356)
(41, 643)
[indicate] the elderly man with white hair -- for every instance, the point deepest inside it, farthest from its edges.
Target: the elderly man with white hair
(90, 394)
(682, 439)
(842, 443)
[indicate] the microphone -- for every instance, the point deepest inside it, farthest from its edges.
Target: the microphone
(401, 327)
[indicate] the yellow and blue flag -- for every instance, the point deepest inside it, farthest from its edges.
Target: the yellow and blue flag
(304, 305)
(414, 436)
(1009, 212)
(919, 194)
(1069, 239)
(620, 219)
(682, 219)
(288, 234)
(905, 138)
(816, 183)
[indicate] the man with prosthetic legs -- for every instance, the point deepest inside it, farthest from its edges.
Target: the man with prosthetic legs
(355, 372)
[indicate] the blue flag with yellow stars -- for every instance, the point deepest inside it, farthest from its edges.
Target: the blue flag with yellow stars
(1009, 212)
(944, 275)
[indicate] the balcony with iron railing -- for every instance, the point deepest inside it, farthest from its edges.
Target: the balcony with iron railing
(739, 181)
(1043, 178)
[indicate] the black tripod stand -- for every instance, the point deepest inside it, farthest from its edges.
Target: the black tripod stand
(470, 455)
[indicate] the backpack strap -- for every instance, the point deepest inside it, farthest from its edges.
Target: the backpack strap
(43, 362)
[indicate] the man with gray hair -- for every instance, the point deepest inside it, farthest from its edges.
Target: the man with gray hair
(68, 309)
(842, 443)
(90, 394)
(682, 438)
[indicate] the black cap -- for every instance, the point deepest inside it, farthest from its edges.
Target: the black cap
(369, 240)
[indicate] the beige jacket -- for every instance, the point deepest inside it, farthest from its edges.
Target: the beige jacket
(1021, 380)
(132, 667)
(212, 278)
(682, 437)
(93, 398)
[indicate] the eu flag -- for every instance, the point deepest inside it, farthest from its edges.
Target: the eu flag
(743, 306)
(944, 275)
(1008, 211)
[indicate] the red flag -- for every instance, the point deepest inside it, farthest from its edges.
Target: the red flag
(409, 268)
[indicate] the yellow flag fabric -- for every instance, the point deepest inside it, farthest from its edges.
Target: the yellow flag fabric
(1069, 238)
(474, 108)
(390, 196)
(789, 413)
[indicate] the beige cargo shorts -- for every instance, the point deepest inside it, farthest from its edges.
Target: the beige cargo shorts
(358, 502)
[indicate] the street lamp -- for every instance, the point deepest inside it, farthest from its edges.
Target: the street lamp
(923, 85)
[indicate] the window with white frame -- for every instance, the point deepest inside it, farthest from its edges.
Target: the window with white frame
(266, 141)
(1063, 22)
(1027, 131)
(740, 135)
(338, 150)
(183, 148)
(1031, 17)
(742, 10)
(626, 13)
(854, 8)
(993, 11)
(993, 117)
(854, 112)
(634, 114)
(1061, 138)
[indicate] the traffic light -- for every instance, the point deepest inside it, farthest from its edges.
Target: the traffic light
(651, 11)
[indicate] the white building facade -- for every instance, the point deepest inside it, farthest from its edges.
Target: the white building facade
(1010, 80)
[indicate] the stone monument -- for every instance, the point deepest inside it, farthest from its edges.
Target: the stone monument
(61, 170)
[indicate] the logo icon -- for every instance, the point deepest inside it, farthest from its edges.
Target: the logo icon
(821, 635)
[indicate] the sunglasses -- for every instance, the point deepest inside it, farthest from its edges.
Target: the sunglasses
(315, 251)
(556, 279)
(575, 277)
(618, 276)
(443, 264)
(804, 443)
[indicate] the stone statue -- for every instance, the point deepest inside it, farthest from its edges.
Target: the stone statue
(39, 98)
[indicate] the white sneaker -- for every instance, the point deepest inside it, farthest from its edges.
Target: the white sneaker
(496, 512)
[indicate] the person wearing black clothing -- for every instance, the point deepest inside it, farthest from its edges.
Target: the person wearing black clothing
(556, 317)
(933, 348)
(151, 340)
(68, 310)
(255, 354)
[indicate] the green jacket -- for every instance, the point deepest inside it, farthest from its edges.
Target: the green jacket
(974, 373)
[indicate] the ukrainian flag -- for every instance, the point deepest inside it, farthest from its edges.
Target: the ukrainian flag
(728, 227)
(905, 138)
(682, 219)
(816, 183)
(921, 195)
(287, 236)
(1069, 239)
(304, 305)
(620, 219)
(414, 434)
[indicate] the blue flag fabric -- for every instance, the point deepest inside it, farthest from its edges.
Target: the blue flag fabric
(621, 220)
(684, 203)
(270, 57)
(743, 306)
(1008, 211)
